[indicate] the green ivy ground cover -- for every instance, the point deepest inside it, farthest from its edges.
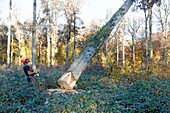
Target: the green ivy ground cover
(99, 94)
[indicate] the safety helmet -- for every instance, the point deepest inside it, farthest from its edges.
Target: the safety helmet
(25, 60)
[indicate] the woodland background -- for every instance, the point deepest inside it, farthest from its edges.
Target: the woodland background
(60, 43)
(130, 72)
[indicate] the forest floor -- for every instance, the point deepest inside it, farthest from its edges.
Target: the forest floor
(96, 91)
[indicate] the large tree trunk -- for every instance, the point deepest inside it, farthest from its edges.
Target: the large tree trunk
(9, 35)
(146, 36)
(117, 50)
(12, 47)
(133, 49)
(40, 51)
(165, 47)
(48, 38)
(69, 78)
(34, 37)
(167, 13)
(48, 47)
(54, 39)
(74, 51)
(19, 49)
(150, 35)
(53, 47)
(67, 41)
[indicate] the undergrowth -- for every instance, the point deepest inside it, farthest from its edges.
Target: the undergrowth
(100, 93)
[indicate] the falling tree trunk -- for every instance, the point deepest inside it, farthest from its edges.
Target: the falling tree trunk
(9, 35)
(69, 78)
(34, 37)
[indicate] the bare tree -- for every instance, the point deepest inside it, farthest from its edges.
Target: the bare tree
(122, 32)
(55, 10)
(18, 37)
(49, 23)
(133, 27)
(71, 9)
(15, 20)
(117, 49)
(9, 34)
(150, 35)
(74, 50)
(162, 14)
(146, 6)
(34, 35)
(48, 32)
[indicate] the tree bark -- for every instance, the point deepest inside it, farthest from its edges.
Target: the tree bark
(48, 47)
(34, 37)
(19, 49)
(162, 16)
(48, 37)
(9, 35)
(146, 36)
(53, 46)
(117, 50)
(150, 35)
(68, 39)
(74, 51)
(133, 29)
(133, 49)
(40, 51)
(123, 52)
(70, 77)
(12, 47)
(54, 38)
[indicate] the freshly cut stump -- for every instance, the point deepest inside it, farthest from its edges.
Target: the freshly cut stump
(67, 81)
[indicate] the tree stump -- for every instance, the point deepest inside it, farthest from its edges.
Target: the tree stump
(67, 81)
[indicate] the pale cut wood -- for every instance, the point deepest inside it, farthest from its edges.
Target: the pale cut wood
(67, 81)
